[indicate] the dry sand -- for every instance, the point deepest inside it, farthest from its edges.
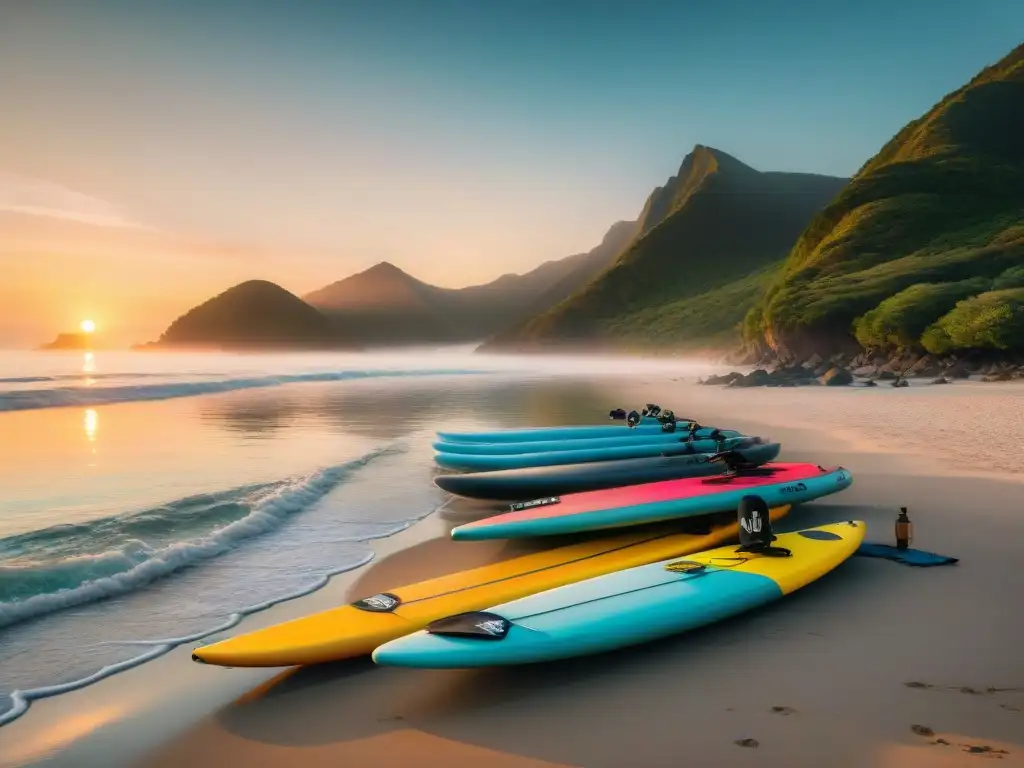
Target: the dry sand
(878, 664)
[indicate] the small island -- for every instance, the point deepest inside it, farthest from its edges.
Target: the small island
(69, 341)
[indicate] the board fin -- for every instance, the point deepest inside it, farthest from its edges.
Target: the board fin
(383, 602)
(478, 625)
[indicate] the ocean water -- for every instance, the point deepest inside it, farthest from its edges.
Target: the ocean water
(149, 499)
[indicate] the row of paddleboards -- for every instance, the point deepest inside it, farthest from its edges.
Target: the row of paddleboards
(522, 463)
(655, 554)
(553, 479)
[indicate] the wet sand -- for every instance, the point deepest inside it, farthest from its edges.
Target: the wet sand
(878, 664)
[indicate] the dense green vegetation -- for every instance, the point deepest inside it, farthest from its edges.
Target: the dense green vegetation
(697, 264)
(711, 319)
(900, 320)
(1011, 278)
(992, 321)
(941, 203)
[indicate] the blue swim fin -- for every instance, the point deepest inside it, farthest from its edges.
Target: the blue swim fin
(906, 556)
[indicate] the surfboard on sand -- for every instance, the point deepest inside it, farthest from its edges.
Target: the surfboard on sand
(627, 607)
(357, 628)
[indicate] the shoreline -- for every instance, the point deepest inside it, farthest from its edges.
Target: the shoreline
(123, 719)
(42, 732)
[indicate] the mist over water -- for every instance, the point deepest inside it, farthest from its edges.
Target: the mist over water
(34, 380)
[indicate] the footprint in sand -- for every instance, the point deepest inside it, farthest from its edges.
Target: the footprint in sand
(783, 710)
(961, 688)
(972, 749)
(984, 749)
(751, 743)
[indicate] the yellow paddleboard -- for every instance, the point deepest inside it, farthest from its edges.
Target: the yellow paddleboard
(358, 628)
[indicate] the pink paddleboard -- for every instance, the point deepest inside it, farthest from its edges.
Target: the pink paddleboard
(777, 483)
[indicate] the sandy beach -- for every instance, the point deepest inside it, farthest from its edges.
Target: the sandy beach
(878, 664)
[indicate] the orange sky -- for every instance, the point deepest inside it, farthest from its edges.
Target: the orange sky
(132, 281)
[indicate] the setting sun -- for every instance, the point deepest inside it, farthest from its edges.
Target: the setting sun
(88, 326)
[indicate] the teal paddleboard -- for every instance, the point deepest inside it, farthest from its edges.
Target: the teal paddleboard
(469, 462)
(542, 446)
(626, 607)
(647, 424)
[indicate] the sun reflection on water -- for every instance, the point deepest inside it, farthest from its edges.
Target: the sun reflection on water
(91, 423)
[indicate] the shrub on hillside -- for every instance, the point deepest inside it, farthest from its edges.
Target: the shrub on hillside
(902, 318)
(989, 321)
(1011, 278)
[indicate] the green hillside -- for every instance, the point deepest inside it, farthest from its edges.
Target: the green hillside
(936, 217)
(708, 320)
(697, 264)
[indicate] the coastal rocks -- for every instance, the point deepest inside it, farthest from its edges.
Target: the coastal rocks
(837, 377)
(758, 377)
(869, 367)
(780, 376)
(925, 367)
(726, 378)
(998, 376)
(788, 376)
(956, 370)
(813, 362)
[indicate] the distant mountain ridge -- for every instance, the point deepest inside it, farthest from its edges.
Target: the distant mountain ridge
(686, 271)
(385, 306)
(714, 226)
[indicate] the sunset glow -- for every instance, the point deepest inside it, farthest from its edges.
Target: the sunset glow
(88, 326)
